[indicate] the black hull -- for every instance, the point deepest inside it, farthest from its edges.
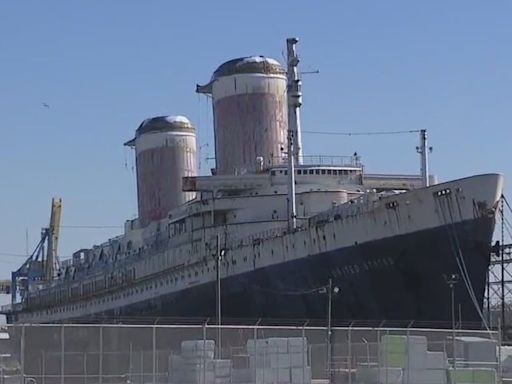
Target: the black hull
(400, 278)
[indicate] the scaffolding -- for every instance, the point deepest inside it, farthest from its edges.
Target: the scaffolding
(498, 297)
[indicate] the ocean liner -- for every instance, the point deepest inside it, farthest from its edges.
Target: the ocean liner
(270, 226)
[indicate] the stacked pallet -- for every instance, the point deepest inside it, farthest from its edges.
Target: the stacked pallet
(473, 376)
(279, 361)
(405, 360)
(476, 360)
(476, 351)
(196, 364)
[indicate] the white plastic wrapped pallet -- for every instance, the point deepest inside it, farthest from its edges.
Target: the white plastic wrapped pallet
(424, 376)
(436, 360)
(374, 375)
(477, 351)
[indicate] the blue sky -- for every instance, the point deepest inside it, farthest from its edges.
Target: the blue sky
(104, 66)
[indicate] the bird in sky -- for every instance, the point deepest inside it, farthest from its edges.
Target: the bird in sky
(45, 105)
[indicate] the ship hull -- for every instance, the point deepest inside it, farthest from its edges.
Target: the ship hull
(399, 278)
(389, 259)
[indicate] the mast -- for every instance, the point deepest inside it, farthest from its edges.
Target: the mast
(294, 97)
(423, 150)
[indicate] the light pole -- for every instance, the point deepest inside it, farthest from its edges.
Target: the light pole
(219, 254)
(452, 280)
(331, 291)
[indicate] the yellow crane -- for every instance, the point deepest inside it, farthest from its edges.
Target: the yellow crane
(43, 264)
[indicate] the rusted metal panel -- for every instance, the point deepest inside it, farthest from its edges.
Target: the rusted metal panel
(248, 126)
(160, 170)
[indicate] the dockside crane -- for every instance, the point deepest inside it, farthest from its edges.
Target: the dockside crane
(43, 265)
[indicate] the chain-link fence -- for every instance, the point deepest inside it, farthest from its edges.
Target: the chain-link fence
(204, 354)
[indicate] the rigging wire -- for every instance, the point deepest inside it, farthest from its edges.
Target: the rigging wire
(455, 245)
(452, 237)
(506, 202)
(91, 226)
(360, 133)
(298, 292)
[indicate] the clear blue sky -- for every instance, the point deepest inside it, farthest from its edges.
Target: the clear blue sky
(103, 66)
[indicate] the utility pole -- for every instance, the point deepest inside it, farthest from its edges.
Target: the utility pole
(218, 311)
(331, 291)
(452, 280)
(329, 331)
(218, 258)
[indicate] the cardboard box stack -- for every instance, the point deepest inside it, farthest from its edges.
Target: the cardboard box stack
(196, 364)
(279, 361)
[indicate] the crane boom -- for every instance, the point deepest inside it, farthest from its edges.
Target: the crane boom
(52, 259)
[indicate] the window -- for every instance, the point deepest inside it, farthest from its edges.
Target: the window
(323, 171)
(317, 171)
(311, 171)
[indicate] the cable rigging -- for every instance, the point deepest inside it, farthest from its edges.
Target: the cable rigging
(374, 133)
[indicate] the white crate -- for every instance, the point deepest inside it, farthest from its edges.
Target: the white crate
(297, 344)
(258, 346)
(259, 361)
(287, 360)
(222, 368)
(197, 345)
(375, 375)
(436, 360)
(425, 376)
(241, 375)
(301, 375)
(278, 345)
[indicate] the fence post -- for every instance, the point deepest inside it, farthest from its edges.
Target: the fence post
(304, 359)
(130, 367)
(500, 340)
(154, 353)
(43, 368)
(349, 368)
(22, 354)
(85, 367)
(255, 349)
(62, 351)
(100, 363)
(204, 352)
(142, 366)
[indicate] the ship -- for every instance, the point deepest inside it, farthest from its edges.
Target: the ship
(271, 230)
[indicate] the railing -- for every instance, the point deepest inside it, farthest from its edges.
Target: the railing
(321, 160)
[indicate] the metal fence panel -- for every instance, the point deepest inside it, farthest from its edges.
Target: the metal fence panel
(207, 354)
